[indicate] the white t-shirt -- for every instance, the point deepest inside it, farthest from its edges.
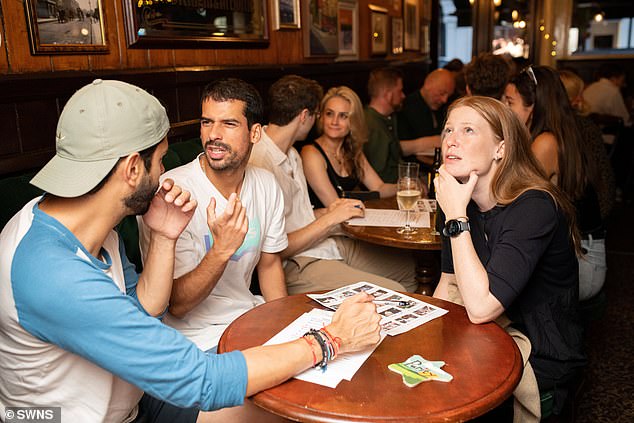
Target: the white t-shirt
(289, 174)
(231, 296)
(605, 97)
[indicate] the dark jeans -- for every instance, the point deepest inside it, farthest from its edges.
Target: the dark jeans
(152, 410)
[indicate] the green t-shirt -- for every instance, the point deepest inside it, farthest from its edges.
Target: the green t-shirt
(383, 149)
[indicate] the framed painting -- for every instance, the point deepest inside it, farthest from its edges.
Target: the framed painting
(320, 28)
(424, 39)
(286, 14)
(195, 24)
(348, 16)
(397, 35)
(412, 25)
(378, 30)
(75, 27)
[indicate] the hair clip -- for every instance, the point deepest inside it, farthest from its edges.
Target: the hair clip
(529, 71)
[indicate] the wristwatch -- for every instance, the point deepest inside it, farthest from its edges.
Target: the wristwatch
(455, 227)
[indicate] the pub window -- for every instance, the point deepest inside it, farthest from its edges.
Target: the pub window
(601, 27)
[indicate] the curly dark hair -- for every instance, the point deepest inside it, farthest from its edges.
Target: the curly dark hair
(487, 75)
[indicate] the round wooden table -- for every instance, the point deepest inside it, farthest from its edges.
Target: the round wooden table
(424, 243)
(485, 363)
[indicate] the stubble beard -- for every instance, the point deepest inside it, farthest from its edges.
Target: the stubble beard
(140, 201)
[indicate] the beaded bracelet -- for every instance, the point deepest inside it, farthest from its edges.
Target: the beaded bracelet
(324, 348)
(335, 339)
(310, 345)
(332, 347)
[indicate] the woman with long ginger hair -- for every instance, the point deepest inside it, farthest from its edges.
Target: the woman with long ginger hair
(539, 98)
(508, 246)
(335, 161)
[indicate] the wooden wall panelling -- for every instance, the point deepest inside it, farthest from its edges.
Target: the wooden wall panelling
(69, 63)
(17, 39)
(37, 124)
(247, 56)
(289, 45)
(4, 64)
(364, 29)
(10, 140)
(168, 97)
(129, 58)
(160, 58)
(195, 57)
(188, 97)
(36, 99)
(115, 39)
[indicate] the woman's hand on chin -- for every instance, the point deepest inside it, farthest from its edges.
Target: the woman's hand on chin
(452, 195)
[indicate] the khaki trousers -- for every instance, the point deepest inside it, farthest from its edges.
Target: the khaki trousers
(383, 266)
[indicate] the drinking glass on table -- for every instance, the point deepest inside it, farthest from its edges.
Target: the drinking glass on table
(409, 191)
(433, 214)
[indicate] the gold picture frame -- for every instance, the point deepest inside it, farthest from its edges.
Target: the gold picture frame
(286, 14)
(168, 24)
(55, 29)
(378, 30)
(412, 25)
(348, 30)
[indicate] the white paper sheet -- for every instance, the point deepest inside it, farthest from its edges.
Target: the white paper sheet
(391, 218)
(343, 367)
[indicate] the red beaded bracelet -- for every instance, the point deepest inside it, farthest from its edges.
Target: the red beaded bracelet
(310, 345)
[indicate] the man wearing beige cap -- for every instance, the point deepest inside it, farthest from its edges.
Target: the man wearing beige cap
(79, 329)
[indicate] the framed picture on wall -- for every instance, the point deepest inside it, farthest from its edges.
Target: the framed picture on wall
(397, 35)
(58, 28)
(320, 28)
(348, 16)
(286, 14)
(378, 30)
(185, 24)
(412, 25)
(424, 39)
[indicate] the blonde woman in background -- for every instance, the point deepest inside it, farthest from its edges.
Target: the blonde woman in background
(335, 162)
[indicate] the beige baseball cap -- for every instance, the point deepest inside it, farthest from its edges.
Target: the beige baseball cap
(101, 123)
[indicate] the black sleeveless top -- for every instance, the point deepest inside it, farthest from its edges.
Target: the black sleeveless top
(340, 183)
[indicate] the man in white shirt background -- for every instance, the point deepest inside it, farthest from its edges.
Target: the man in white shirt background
(315, 258)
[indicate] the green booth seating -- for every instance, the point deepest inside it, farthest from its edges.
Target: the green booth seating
(16, 192)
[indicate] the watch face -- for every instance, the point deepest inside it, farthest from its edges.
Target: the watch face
(454, 227)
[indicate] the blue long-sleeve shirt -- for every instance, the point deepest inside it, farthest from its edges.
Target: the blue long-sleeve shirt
(75, 335)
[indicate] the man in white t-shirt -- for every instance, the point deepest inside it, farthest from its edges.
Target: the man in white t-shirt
(604, 96)
(315, 259)
(240, 229)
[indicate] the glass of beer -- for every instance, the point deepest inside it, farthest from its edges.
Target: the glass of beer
(409, 191)
(433, 214)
